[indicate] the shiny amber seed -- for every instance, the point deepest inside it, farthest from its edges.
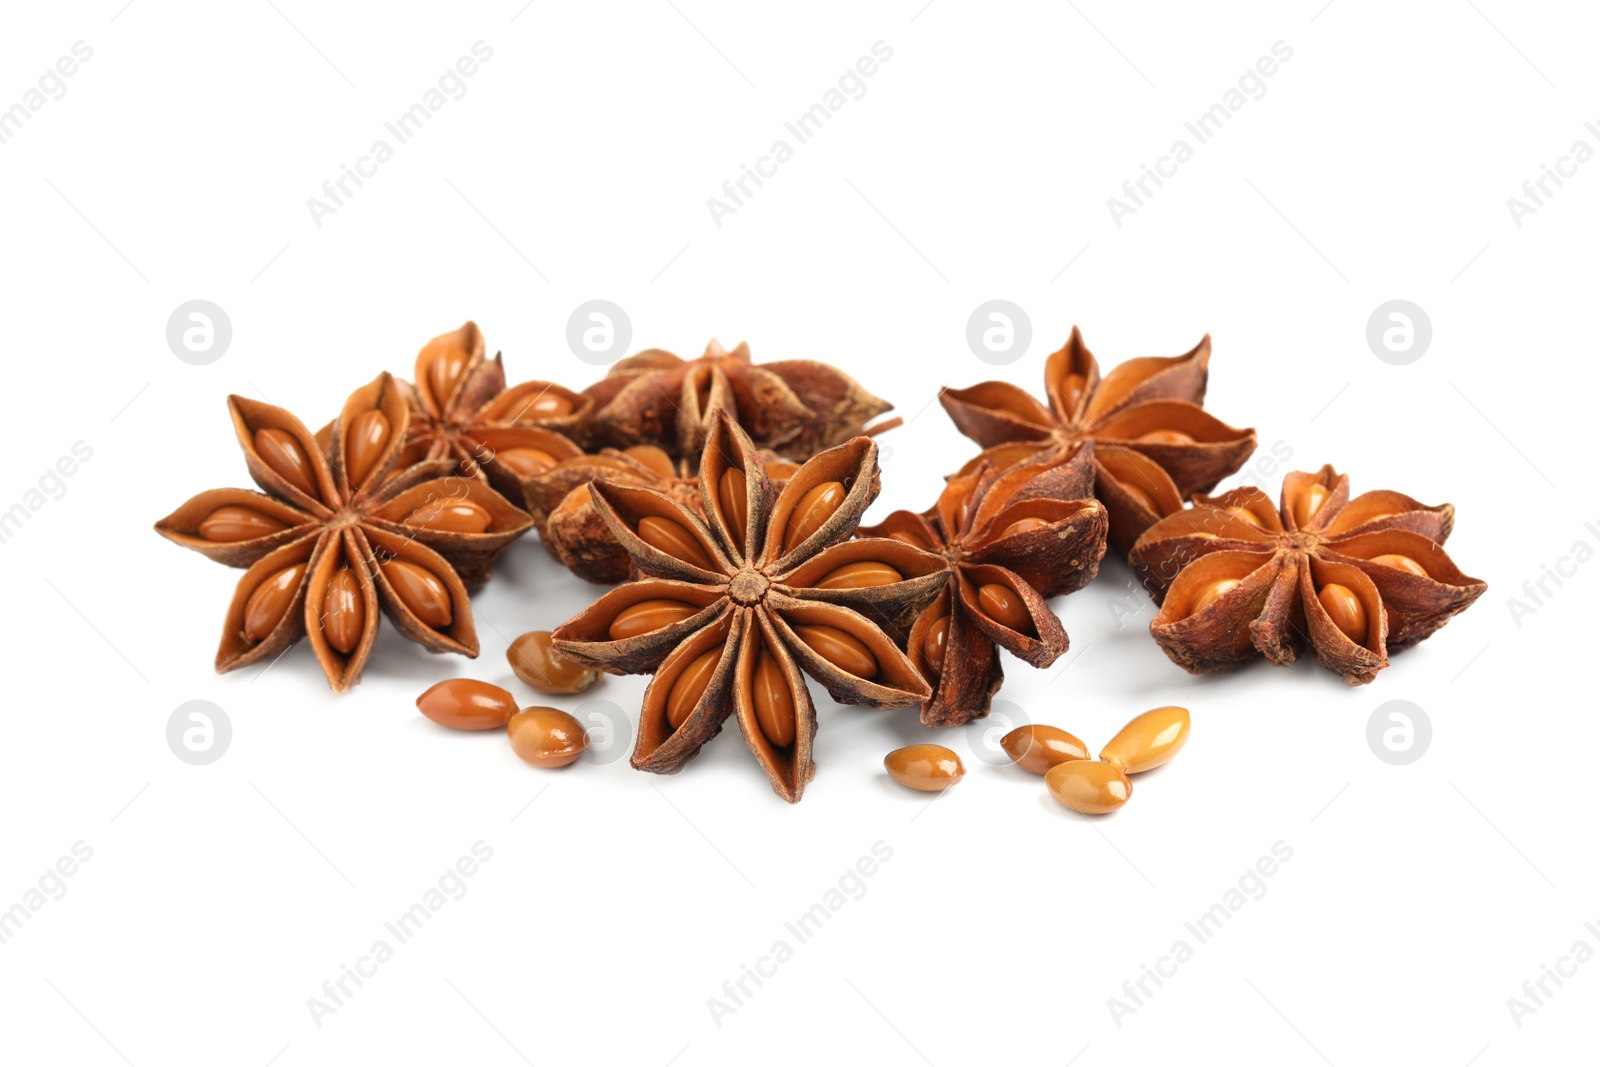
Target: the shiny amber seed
(1024, 526)
(1090, 786)
(444, 373)
(279, 450)
(1244, 514)
(816, 507)
(270, 601)
(731, 500)
(840, 649)
(690, 686)
(467, 704)
(772, 701)
(1346, 611)
(673, 538)
(1211, 594)
(364, 443)
(525, 462)
(234, 522)
(1148, 740)
(912, 539)
(451, 516)
(1005, 607)
(933, 645)
(781, 470)
(653, 457)
(546, 405)
(546, 737)
(545, 668)
(648, 616)
(1399, 562)
(344, 611)
(1140, 497)
(421, 591)
(1036, 748)
(927, 768)
(1309, 503)
(1165, 437)
(860, 575)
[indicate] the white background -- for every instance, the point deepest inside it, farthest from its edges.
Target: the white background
(977, 166)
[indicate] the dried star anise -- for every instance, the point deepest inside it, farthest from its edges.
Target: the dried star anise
(796, 407)
(1236, 576)
(1154, 444)
(573, 530)
(461, 410)
(1010, 538)
(734, 607)
(335, 536)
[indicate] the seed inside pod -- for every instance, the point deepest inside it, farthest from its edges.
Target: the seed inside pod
(1142, 498)
(525, 462)
(544, 406)
(546, 737)
(364, 442)
(279, 450)
(234, 522)
(1346, 611)
(1244, 514)
(444, 374)
(772, 701)
(1399, 562)
(1071, 390)
(451, 516)
(840, 649)
(690, 686)
(933, 645)
(270, 601)
(927, 768)
(1024, 526)
(816, 506)
(1165, 437)
(1308, 504)
(912, 539)
(467, 704)
(673, 538)
(860, 575)
(344, 612)
(421, 591)
(1036, 748)
(647, 616)
(1211, 594)
(1148, 740)
(544, 668)
(1005, 607)
(731, 501)
(653, 457)
(1090, 786)
(781, 470)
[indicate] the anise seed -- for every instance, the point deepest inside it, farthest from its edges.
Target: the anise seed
(421, 591)
(690, 686)
(673, 538)
(648, 616)
(539, 665)
(270, 602)
(1165, 437)
(860, 575)
(840, 649)
(1004, 607)
(934, 644)
(1399, 562)
(1211, 594)
(731, 489)
(234, 522)
(1346, 611)
(815, 508)
(279, 450)
(364, 444)
(344, 612)
(456, 516)
(912, 539)
(525, 462)
(1024, 526)
(1309, 503)
(772, 701)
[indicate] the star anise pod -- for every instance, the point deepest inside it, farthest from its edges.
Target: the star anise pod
(572, 528)
(734, 607)
(335, 536)
(1236, 576)
(796, 407)
(461, 410)
(1009, 539)
(1154, 444)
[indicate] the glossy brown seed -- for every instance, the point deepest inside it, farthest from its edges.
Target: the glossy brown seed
(1211, 594)
(444, 374)
(815, 508)
(933, 645)
(544, 406)
(421, 591)
(546, 669)
(344, 611)
(1309, 503)
(270, 602)
(1036, 748)
(1005, 607)
(648, 616)
(673, 538)
(1090, 786)
(654, 458)
(1024, 526)
(525, 462)
(840, 649)
(1142, 498)
(1346, 611)
(1165, 437)
(1399, 562)
(772, 701)
(909, 538)
(781, 470)
(546, 737)
(860, 575)
(364, 443)
(690, 686)
(928, 768)
(1244, 514)
(731, 501)
(453, 516)
(467, 704)
(234, 522)
(279, 450)
(1148, 740)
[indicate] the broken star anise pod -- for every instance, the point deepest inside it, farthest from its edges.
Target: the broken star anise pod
(1236, 576)
(732, 608)
(461, 410)
(796, 407)
(337, 535)
(1154, 444)
(1009, 539)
